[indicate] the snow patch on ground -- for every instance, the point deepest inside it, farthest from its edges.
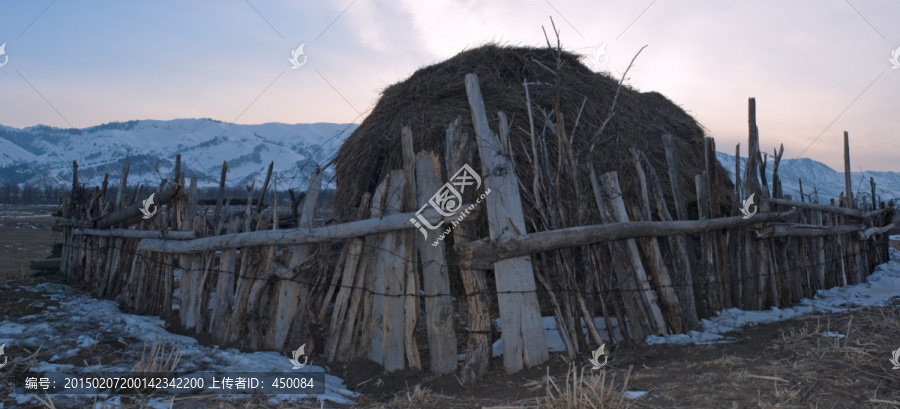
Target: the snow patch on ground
(882, 285)
(82, 322)
(634, 394)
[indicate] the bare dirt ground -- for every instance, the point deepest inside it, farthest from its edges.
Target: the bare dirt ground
(25, 234)
(836, 360)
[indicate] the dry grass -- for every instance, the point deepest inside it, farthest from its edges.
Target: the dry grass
(157, 359)
(581, 390)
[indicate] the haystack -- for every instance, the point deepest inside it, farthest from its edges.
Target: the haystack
(434, 96)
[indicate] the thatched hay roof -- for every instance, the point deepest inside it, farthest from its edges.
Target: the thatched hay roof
(435, 95)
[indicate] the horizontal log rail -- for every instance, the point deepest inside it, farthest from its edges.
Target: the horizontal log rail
(298, 235)
(138, 234)
(827, 208)
(481, 254)
(807, 230)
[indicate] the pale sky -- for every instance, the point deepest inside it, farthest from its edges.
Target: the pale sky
(816, 68)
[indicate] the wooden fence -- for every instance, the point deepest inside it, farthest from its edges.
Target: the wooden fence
(360, 289)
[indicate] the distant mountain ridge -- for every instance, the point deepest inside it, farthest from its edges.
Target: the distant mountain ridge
(821, 179)
(42, 155)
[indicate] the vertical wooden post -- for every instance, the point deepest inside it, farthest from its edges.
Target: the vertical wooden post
(224, 299)
(524, 343)
(753, 287)
(265, 188)
(190, 264)
(123, 182)
(714, 192)
(220, 200)
(848, 185)
(460, 151)
(738, 192)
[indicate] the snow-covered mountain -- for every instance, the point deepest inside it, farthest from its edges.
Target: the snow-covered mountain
(817, 176)
(42, 155)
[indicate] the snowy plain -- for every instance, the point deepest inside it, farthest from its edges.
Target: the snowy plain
(80, 321)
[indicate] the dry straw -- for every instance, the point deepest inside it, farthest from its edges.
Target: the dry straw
(559, 83)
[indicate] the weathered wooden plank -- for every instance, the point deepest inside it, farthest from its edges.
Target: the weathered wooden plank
(290, 288)
(189, 291)
(349, 282)
(391, 266)
(371, 338)
(439, 311)
(224, 300)
(524, 344)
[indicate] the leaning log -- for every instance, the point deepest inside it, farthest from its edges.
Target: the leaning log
(134, 210)
(138, 234)
(827, 208)
(482, 253)
(807, 230)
